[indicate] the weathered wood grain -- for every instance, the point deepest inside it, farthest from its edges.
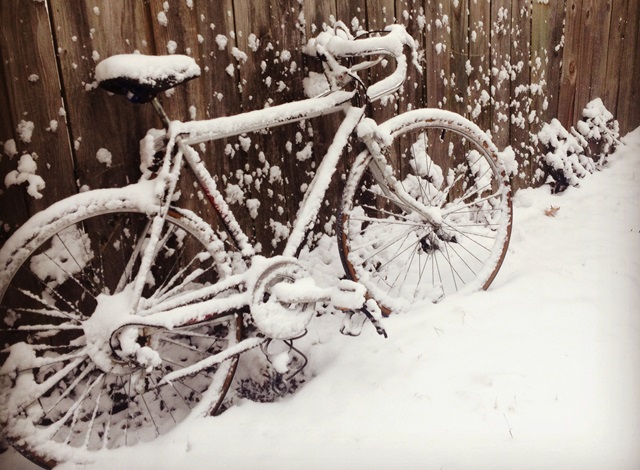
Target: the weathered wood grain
(629, 89)
(570, 62)
(31, 99)
(546, 65)
(86, 34)
(479, 89)
(509, 65)
(520, 91)
(501, 14)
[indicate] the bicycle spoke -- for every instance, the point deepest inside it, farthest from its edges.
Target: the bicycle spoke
(47, 328)
(461, 258)
(445, 165)
(467, 236)
(132, 258)
(90, 401)
(385, 246)
(162, 401)
(45, 303)
(72, 386)
(73, 411)
(399, 251)
(92, 421)
(45, 362)
(406, 267)
(77, 263)
(421, 271)
(55, 313)
(384, 211)
(387, 221)
(184, 346)
(153, 421)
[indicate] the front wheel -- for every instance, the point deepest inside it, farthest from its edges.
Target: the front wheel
(442, 162)
(64, 393)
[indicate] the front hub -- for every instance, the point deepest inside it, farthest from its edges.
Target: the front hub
(112, 344)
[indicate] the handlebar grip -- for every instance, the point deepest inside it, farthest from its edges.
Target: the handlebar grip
(392, 44)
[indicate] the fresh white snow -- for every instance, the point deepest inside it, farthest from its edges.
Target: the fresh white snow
(540, 372)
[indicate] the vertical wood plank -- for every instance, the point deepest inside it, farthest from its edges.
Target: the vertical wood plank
(629, 90)
(546, 63)
(31, 89)
(458, 56)
(318, 13)
(586, 51)
(381, 13)
(176, 28)
(614, 54)
(271, 76)
(571, 65)
(520, 90)
(414, 91)
(500, 77)
(86, 34)
(436, 54)
(353, 13)
(204, 30)
(632, 121)
(546, 57)
(600, 16)
(479, 71)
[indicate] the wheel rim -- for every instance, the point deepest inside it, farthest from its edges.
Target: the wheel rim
(57, 399)
(394, 252)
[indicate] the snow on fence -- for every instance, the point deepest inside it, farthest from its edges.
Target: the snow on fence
(512, 66)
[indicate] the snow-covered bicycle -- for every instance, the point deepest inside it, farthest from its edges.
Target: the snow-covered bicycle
(122, 313)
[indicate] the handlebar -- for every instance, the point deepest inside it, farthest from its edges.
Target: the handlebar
(336, 43)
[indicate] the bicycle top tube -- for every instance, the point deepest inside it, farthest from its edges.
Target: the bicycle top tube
(195, 132)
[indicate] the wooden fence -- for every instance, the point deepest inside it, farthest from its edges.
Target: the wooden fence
(509, 65)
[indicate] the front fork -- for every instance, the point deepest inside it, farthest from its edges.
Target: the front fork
(165, 186)
(383, 173)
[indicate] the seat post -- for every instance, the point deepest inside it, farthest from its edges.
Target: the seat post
(157, 106)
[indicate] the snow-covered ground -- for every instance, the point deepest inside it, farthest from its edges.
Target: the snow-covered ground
(540, 372)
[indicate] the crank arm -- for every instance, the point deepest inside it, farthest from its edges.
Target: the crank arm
(347, 295)
(210, 361)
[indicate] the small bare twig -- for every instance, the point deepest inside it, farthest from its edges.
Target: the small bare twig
(508, 425)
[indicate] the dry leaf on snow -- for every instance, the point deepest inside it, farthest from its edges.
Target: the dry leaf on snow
(551, 211)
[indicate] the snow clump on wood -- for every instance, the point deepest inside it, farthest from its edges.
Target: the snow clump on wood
(26, 173)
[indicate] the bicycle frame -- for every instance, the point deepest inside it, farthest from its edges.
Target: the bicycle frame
(116, 293)
(202, 304)
(199, 305)
(192, 133)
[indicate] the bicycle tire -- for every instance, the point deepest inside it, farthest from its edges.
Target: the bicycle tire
(441, 160)
(57, 402)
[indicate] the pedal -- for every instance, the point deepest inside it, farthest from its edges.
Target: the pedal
(349, 295)
(353, 323)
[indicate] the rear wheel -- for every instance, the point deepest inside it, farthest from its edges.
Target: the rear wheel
(441, 161)
(61, 396)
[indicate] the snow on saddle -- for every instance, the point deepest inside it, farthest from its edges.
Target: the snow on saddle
(141, 77)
